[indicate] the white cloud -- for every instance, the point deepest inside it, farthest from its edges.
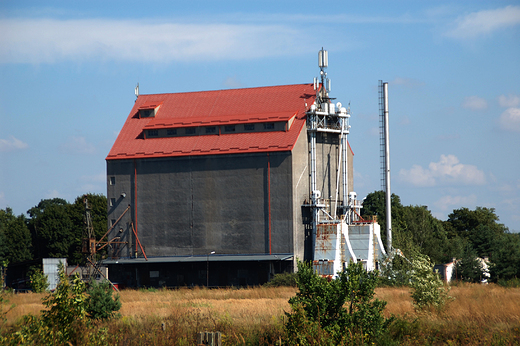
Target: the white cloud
(484, 22)
(51, 40)
(510, 120)
(12, 144)
(447, 171)
(232, 82)
(474, 103)
(78, 146)
(448, 202)
(509, 101)
(407, 82)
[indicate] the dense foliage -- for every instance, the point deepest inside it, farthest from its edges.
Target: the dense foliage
(335, 312)
(101, 305)
(54, 228)
(68, 317)
(428, 288)
(465, 236)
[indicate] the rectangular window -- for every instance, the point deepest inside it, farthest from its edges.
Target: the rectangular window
(112, 202)
(229, 128)
(211, 129)
(249, 127)
(153, 133)
(112, 180)
(190, 131)
(112, 222)
(171, 132)
(269, 126)
(146, 113)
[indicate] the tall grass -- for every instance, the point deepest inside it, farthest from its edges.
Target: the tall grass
(479, 314)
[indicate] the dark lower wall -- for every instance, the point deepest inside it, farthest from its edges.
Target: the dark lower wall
(230, 204)
(215, 274)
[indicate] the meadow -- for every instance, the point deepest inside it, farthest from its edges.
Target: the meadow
(478, 315)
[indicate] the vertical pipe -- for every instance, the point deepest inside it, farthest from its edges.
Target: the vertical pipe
(135, 202)
(269, 196)
(344, 158)
(387, 173)
(314, 199)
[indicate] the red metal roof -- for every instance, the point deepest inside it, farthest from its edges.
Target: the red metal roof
(234, 106)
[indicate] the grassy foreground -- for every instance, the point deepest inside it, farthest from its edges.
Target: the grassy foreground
(479, 315)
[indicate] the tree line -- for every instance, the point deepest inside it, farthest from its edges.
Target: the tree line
(466, 235)
(53, 229)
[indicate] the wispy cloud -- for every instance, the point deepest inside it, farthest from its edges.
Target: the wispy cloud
(12, 144)
(78, 146)
(447, 171)
(407, 82)
(448, 202)
(484, 22)
(232, 82)
(510, 120)
(52, 40)
(509, 101)
(474, 103)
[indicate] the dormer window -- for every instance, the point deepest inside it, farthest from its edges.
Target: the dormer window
(146, 113)
(149, 109)
(153, 133)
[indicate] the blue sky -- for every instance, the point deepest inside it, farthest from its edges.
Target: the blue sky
(68, 72)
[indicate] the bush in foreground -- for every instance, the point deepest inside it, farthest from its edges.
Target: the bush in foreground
(335, 312)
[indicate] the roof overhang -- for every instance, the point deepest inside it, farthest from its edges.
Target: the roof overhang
(203, 258)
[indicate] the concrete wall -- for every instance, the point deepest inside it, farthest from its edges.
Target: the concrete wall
(194, 205)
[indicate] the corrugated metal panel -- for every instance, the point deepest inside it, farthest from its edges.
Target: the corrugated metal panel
(50, 268)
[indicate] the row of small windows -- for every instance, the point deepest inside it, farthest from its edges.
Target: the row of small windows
(209, 130)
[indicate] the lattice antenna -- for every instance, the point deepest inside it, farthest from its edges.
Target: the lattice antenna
(382, 156)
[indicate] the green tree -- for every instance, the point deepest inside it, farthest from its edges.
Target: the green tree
(427, 234)
(64, 322)
(16, 237)
(98, 214)
(428, 288)
(505, 257)
(374, 204)
(39, 281)
(335, 312)
(101, 304)
(52, 229)
(469, 268)
(479, 227)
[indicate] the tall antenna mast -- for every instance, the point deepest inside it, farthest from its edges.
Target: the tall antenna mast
(385, 159)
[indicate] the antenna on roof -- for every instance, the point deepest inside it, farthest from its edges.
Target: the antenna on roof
(136, 91)
(322, 94)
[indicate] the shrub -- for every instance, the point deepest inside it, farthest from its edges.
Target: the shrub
(282, 279)
(512, 283)
(39, 281)
(65, 322)
(334, 312)
(100, 303)
(429, 290)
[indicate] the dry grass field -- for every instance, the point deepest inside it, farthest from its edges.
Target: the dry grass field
(478, 314)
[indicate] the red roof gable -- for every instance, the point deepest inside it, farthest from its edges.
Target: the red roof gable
(235, 106)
